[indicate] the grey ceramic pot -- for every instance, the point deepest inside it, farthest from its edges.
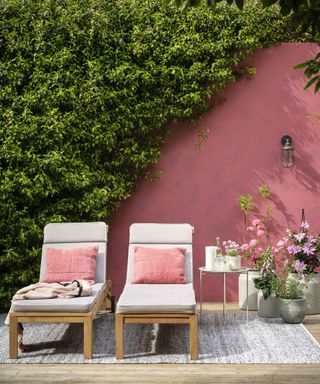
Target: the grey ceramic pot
(292, 311)
(268, 307)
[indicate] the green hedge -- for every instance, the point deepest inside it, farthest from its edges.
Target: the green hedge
(86, 90)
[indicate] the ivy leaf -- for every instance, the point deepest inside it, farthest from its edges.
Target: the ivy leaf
(300, 66)
(312, 81)
(166, 3)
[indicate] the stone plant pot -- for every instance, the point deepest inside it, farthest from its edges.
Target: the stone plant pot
(234, 262)
(268, 307)
(252, 291)
(292, 311)
(312, 294)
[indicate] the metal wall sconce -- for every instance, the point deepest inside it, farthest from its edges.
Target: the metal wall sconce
(287, 152)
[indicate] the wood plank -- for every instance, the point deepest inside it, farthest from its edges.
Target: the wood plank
(194, 339)
(87, 338)
(156, 320)
(160, 315)
(50, 319)
(13, 338)
(119, 336)
(132, 373)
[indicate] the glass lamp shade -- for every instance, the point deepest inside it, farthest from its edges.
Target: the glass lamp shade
(287, 152)
(287, 157)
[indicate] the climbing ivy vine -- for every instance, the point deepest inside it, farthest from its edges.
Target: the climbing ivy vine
(87, 88)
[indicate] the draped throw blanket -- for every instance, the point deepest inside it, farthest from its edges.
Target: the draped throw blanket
(64, 290)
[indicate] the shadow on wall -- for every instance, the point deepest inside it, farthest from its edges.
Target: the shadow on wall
(239, 150)
(297, 113)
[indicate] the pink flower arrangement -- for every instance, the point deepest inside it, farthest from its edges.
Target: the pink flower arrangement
(300, 250)
(252, 251)
(231, 247)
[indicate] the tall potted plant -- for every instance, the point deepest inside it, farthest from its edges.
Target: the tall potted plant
(292, 302)
(268, 303)
(302, 254)
(252, 253)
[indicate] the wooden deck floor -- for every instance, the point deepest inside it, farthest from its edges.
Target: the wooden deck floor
(166, 373)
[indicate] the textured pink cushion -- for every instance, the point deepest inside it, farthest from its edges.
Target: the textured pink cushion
(70, 264)
(158, 266)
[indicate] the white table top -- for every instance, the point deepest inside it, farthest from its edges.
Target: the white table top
(204, 269)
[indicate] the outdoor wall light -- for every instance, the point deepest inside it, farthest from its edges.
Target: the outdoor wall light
(287, 152)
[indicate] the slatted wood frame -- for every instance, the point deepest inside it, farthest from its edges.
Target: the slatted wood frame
(157, 318)
(86, 318)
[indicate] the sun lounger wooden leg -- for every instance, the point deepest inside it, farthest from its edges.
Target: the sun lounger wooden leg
(87, 338)
(194, 349)
(13, 336)
(119, 336)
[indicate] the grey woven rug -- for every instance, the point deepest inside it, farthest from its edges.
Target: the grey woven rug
(229, 340)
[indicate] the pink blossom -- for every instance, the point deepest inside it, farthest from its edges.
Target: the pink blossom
(256, 222)
(299, 236)
(280, 243)
(253, 242)
(260, 232)
(244, 247)
(294, 249)
(250, 229)
(300, 266)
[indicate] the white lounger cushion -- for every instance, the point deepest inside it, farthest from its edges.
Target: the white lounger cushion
(76, 235)
(156, 298)
(77, 304)
(155, 233)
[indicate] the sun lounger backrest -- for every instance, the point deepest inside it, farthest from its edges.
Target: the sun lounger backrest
(155, 235)
(77, 235)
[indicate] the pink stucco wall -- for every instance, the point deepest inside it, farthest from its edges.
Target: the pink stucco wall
(241, 153)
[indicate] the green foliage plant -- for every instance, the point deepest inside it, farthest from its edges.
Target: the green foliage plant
(87, 89)
(312, 72)
(302, 14)
(246, 205)
(290, 288)
(266, 195)
(268, 274)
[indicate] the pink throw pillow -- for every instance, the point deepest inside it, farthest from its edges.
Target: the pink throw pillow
(158, 266)
(70, 264)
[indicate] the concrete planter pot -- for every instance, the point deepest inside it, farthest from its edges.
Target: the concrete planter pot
(268, 307)
(292, 311)
(312, 294)
(252, 291)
